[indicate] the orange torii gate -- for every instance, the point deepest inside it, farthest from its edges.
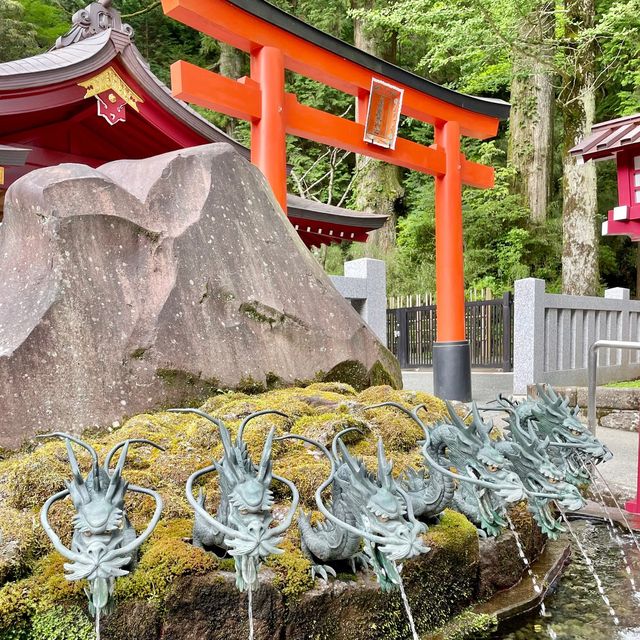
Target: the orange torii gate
(277, 41)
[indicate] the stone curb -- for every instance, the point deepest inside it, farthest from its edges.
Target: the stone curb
(522, 597)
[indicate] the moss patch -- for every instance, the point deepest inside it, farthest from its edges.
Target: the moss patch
(466, 626)
(352, 372)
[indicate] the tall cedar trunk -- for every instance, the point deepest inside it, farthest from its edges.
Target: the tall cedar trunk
(231, 66)
(531, 123)
(580, 274)
(378, 187)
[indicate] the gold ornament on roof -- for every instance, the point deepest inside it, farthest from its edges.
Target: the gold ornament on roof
(109, 79)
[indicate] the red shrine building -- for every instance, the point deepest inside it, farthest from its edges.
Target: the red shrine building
(619, 139)
(92, 99)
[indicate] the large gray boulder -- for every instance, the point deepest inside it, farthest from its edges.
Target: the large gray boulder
(148, 283)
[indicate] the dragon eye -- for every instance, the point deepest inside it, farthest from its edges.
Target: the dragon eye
(575, 432)
(491, 467)
(244, 511)
(383, 518)
(87, 534)
(552, 480)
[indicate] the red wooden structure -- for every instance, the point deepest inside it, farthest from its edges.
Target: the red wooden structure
(276, 41)
(619, 139)
(92, 99)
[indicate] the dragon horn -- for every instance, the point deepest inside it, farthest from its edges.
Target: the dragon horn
(114, 481)
(77, 475)
(542, 393)
(482, 429)
(384, 467)
(457, 421)
(346, 456)
(107, 460)
(338, 436)
(255, 415)
(84, 445)
(229, 453)
(265, 461)
(73, 462)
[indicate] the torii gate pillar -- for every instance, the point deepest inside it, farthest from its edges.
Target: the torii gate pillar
(451, 353)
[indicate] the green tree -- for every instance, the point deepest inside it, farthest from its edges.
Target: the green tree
(18, 38)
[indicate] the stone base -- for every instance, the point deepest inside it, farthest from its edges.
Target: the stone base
(455, 573)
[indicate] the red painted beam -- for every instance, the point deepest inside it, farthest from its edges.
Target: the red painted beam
(48, 157)
(236, 98)
(242, 99)
(476, 175)
(223, 21)
(323, 127)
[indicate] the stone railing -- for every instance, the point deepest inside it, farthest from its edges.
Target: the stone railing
(364, 284)
(553, 332)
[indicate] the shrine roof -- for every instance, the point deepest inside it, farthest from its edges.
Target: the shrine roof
(88, 48)
(305, 209)
(608, 138)
(58, 64)
(264, 10)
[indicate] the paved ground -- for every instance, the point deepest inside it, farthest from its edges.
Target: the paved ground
(485, 385)
(620, 472)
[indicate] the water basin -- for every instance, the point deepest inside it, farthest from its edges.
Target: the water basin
(575, 610)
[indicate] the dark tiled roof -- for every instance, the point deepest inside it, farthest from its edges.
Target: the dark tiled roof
(607, 138)
(57, 65)
(304, 209)
(265, 10)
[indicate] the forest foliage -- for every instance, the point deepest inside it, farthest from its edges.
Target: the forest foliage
(474, 46)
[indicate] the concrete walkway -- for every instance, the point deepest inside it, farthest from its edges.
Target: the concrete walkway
(621, 471)
(485, 384)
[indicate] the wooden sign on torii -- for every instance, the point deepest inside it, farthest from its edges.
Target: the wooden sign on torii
(277, 41)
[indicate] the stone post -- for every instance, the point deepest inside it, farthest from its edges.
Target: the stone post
(622, 356)
(364, 284)
(528, 333)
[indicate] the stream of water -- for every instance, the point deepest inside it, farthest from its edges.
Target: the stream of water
(250, 612)
(576, 611)
(407, 608)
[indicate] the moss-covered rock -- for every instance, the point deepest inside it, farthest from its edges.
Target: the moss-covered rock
(180, 591)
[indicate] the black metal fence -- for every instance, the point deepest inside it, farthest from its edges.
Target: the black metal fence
(411, 332)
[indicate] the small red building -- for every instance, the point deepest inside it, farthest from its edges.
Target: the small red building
(92, 99)
(619, 139)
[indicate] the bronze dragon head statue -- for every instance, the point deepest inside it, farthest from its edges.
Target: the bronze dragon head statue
(104, 542)
(242, 525)
(381, 510)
